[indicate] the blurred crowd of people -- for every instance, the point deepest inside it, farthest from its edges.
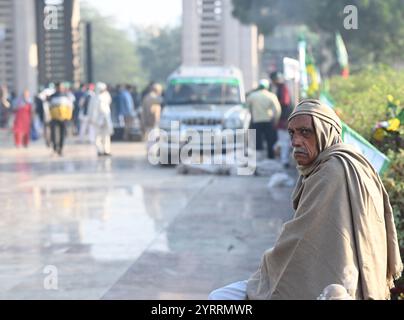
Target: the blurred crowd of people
(96, 112)
(93, 113)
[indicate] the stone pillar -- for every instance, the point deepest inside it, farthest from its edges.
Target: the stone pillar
(190, 33)
(240, 44)
(7, 44)
(249, 56)
(229, 42)
(26, 51)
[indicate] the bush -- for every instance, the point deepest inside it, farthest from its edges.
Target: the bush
(361, 100)
(394, 182)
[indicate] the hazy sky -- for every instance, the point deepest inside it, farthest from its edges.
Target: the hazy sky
(141, 12)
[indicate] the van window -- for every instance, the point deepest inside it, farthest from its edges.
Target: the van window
(203, 91)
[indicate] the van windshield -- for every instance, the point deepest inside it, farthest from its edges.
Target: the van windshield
(203, 91)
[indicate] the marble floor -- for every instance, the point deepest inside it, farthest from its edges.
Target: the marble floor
(80, 227)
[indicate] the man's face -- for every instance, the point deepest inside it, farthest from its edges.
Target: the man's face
(304, 142)
(61, 88)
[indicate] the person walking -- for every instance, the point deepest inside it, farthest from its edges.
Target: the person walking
(152, 108)
(61, 111)
(127, 110)
(4, 106)
(78, 95)
(282, 92)
(100, 119)
(22, 121)
(265, 113)
(42, 107)
(84, 104)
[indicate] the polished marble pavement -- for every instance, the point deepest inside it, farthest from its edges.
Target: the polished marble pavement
(79, 227)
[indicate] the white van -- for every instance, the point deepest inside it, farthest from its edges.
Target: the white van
(204, 99)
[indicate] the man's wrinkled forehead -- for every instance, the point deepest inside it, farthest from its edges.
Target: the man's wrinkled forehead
(301, 121)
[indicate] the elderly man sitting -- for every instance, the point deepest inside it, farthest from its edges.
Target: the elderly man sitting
(343, 231)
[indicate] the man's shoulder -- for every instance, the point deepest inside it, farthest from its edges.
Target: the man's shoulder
(269, 93)
(59, 95)
(260, 94)
(271, 96)
(252, 95)
(330, 170)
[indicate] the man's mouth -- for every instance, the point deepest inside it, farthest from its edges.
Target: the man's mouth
(300, 152)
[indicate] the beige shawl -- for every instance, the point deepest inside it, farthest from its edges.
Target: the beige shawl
(343, 230)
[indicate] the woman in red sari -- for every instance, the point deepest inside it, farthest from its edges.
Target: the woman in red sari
(22, 120)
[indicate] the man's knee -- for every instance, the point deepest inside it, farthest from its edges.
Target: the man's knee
(234, 291)
(213, 295)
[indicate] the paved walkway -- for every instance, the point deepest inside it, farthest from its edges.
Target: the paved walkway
(122, 229)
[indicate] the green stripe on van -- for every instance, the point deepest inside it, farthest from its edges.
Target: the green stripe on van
(230, 81)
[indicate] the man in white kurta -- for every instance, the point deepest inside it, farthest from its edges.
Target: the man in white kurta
(100, 119)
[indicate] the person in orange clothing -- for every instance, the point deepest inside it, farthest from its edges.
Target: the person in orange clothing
(22, 120)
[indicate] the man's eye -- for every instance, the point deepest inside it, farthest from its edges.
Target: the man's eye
(305, 132)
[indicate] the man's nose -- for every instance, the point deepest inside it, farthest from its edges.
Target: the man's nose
(296, 142)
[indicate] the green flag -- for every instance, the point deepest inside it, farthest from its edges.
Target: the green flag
(304, 81)
(342, 55)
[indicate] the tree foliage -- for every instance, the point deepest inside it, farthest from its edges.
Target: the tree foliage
(159, 51)
(114, 56)
(380, 33)
(119, 58)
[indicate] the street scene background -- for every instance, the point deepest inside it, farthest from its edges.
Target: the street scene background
(86, 215)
